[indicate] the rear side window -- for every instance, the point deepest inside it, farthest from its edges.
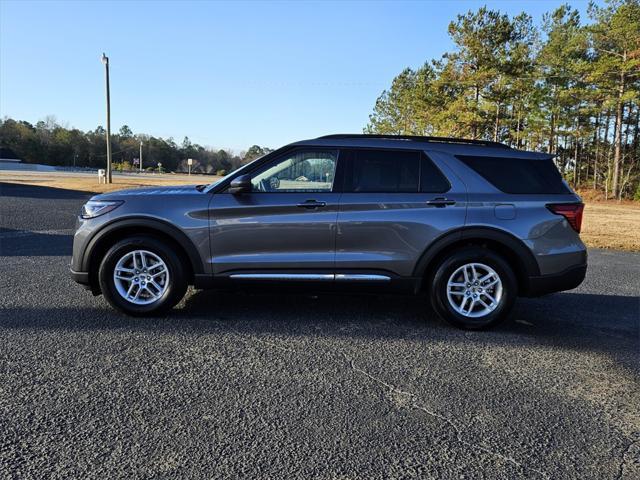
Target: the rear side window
(381, 171)
(390, 171)
(518, 175)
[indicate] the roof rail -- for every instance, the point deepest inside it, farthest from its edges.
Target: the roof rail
(418, 138)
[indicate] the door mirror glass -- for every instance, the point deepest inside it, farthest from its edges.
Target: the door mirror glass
(241, 184)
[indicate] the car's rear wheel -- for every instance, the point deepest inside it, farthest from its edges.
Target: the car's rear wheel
(142, 276)
(473, 288)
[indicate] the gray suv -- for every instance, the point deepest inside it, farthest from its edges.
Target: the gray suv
(471, 224)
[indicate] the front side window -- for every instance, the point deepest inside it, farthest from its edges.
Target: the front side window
(299, 171)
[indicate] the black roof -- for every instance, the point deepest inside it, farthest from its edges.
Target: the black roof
(418, 138)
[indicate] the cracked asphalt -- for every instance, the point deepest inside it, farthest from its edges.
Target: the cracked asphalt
(291, 386)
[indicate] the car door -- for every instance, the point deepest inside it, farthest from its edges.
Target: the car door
(284, 229)
(395, 203)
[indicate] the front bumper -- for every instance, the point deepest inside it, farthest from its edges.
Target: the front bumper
(557, 282)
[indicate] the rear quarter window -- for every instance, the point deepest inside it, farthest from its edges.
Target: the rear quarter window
(518, 175)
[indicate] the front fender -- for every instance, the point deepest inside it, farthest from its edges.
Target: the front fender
(141, 225)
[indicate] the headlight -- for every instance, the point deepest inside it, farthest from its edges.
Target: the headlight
(95, 208)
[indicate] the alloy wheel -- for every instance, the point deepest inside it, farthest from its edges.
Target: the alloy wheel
(474, 290)
(141, 277)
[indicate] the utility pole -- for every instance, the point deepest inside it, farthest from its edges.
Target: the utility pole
(105, 60)
(140, 157)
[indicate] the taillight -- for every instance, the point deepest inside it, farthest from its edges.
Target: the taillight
(571, 211)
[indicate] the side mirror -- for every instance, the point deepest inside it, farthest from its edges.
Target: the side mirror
(241, 184)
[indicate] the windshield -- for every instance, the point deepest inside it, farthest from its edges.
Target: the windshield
(211, 185)
(235, 172)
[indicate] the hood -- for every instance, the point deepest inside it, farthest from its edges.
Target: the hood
(151, 191)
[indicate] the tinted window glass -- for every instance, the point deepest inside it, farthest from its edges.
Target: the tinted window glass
(431, 179)
(384, 171)
(518, 175)
(301, 171)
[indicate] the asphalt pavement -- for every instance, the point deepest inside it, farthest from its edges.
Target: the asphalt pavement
(297, 386)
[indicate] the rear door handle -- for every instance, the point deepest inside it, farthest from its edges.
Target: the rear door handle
(310, 204)
(441, 202)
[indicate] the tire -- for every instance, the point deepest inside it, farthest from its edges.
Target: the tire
(152, 299)
(479, 312)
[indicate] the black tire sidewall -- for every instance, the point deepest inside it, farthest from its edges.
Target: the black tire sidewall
(461, 257)
(177, 281)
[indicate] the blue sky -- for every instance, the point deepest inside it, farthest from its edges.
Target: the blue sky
(228, 75)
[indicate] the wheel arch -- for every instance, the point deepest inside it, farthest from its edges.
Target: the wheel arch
(112, 232)
(513, 249)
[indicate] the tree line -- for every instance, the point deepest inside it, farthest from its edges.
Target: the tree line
(48, 142)
(567, 87)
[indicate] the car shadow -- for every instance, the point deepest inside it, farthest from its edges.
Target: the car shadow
(578, 321)
(611, 314)
(21, 243)
(40, 191)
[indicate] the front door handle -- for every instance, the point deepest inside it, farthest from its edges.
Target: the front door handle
(310, 204)
(441, 202)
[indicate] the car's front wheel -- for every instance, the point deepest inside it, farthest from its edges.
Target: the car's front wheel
(142, 276)
(474, 288)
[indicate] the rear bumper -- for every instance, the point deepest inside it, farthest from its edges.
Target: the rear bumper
(557, 282)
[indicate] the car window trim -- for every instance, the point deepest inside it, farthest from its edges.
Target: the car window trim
(424, 157)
